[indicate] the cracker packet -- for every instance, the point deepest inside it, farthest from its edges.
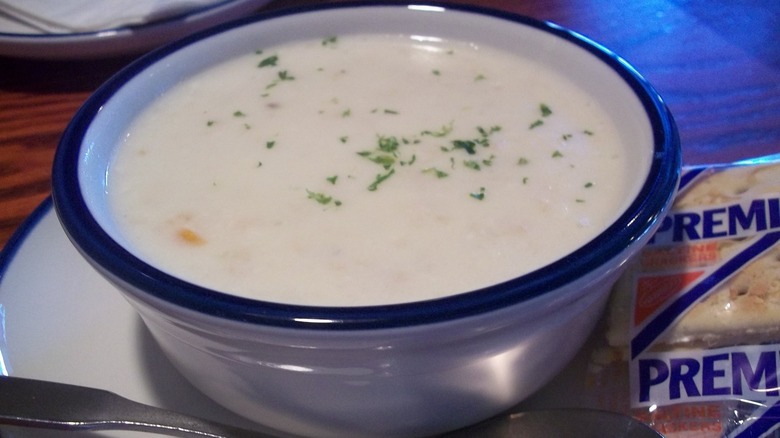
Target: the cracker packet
(692, 329)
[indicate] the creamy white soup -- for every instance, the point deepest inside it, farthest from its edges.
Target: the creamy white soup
(364, 170)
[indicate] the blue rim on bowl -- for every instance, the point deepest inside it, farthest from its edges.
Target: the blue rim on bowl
(123, 267)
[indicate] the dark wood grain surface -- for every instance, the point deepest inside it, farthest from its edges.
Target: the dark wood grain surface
(716, 63)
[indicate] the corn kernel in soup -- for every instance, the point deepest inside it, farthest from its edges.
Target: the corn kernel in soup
(363, 170)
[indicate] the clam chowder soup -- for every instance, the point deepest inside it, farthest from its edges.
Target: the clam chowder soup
(363, 170)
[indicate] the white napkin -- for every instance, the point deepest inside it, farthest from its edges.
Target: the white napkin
(69, 16)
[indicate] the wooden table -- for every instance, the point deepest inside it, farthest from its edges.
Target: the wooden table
(715, 62)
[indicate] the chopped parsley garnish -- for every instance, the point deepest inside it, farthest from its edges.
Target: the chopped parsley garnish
(545, 110)
(284, 76)
(270, 144)
(480, 195)
(467, 145)
(239, 114)
(329, 41)
(471, 164)
(269, 61)
(446, 129)
(483, 140)
(388, 144)
(281, 76)
(322, 198)
(332, 179)
(588, 185)
(536, 124)
(436, 172)
(380, 178)
(557, 154)
(522, 161)
(382, 159)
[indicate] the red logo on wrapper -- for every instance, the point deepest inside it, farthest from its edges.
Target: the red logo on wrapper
(653, 291)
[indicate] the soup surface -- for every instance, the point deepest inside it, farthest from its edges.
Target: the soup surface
(363, 170)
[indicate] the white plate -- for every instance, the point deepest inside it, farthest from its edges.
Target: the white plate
(64, 322)
(17, 41)
(61, 321)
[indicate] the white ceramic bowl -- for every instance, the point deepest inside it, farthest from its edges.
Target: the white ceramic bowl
(410, 369)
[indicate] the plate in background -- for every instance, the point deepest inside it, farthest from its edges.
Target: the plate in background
(20, 41)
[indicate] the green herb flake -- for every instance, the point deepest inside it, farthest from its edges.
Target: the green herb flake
(557, 154)
(346, 113)
(269, 61)
(545, 110)
(479, 77)
(329, 41)
(536, 124)
(525, 180)
(471, 164)
(480, 195)
(410, 161)
(436, 172)
(285, 76)
(566, 137)
(442, 132)
(467, 145)
(380, 178)
(436, 73)
(332, 179)
(270, 144)
(587, 132)
(319, 197)
(588, 185)
(344, 138)
(522, 161)
(239, 114)
(489, 131)
(388, 144)
(210, 123)
(390, 111)
(385, 161)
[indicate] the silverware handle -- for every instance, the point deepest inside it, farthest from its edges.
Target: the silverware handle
(50, 405)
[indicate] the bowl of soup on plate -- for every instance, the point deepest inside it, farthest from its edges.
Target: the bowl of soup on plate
(369, 219)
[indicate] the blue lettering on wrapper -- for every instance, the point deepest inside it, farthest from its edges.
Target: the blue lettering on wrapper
(651, 372)
(681, 376)
(732, 220)
(744, 372)
(712, 221)
(766, 370)
(753, 219)
(711, 367)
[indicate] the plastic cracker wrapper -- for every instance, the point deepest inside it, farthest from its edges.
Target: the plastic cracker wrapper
(692, 330)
